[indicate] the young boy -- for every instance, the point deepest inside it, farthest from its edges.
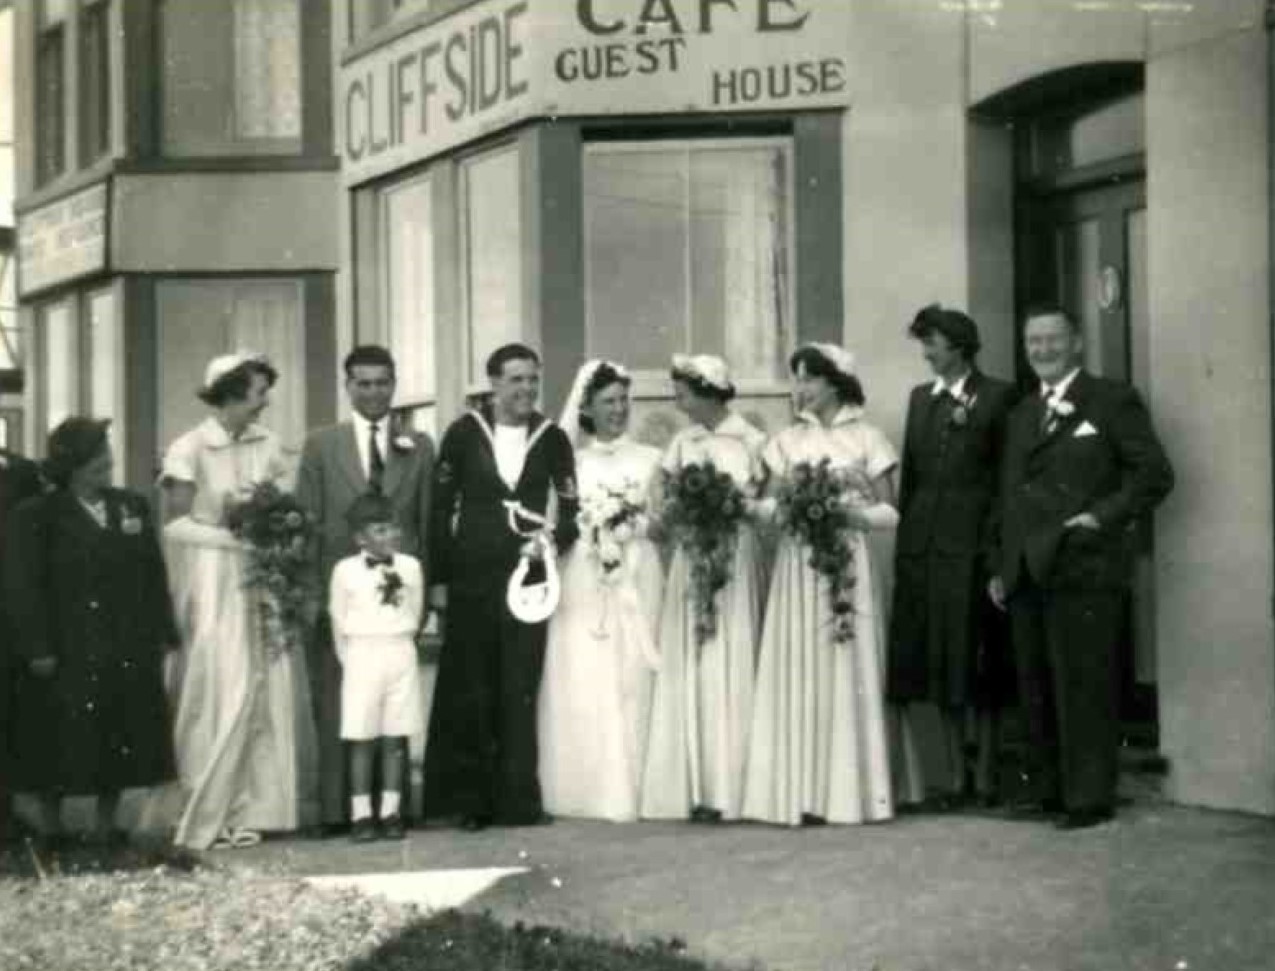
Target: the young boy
(376, 601)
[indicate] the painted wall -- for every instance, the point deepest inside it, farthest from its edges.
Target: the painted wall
(1211, 396)
(217, 222)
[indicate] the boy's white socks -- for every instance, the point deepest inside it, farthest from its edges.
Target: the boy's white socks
(389, 803)
(361, 808)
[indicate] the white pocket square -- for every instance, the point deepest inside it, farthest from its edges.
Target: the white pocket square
(1084, 430)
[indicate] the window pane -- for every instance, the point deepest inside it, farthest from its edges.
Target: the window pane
(408, 287)
(232, 77)
(199, 319)
(61, 348)
(493, 255)
(636, 237)
(95, 81)
(105, 399)
(739, 238)
(50, 107)
(686, 249)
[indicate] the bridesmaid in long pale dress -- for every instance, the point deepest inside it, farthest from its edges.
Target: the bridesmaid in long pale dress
(817, 750)
(245, 739)
(596, 692)
(704, 692)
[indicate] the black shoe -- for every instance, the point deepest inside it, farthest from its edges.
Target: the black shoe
(705, 814)
(327, 831)
(810, 819)
(474, 824)
(392, 828)
(363, 831)
(1084, 818)
(1035, 808)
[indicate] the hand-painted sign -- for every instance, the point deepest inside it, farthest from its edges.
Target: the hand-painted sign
(495, 63)
(62, 241)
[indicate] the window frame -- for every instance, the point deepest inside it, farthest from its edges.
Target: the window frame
(50, 121)
(653, 383)
(95, 141)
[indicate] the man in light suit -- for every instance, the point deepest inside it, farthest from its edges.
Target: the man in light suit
(1081, 465)
(339, 464)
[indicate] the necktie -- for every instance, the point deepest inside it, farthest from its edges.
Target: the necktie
(1049, 417)
(375, 461)
(377, 561)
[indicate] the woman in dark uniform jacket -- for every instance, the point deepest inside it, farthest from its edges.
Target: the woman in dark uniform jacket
(88, 600)
(947, 643)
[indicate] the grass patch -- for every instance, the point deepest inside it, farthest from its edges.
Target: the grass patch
(153, 908)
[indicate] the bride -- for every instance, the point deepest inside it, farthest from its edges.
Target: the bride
(595, 694)
(244, 736)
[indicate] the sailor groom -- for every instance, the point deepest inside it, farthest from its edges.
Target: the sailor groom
(339, 464)
(499, 465)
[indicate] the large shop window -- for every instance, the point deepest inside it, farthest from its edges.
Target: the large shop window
(492, 244)
(408, 294)
(199, 319)
(81, 362)
(232, 77)
(688, 249)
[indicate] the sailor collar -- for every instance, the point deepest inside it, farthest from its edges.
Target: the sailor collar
(215, 435)
(846, 415)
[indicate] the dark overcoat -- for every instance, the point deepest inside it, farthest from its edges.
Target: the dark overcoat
(97, 600)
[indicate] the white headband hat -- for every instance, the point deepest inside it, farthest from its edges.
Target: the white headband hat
(570, 420)
(837, 356)
(222, 365)
(711, 370)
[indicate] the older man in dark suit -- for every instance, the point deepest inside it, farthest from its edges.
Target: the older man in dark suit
(1082, 463)
(19, 479)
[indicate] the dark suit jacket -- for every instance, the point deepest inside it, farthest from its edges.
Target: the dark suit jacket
(949, 476)
(1118, 473)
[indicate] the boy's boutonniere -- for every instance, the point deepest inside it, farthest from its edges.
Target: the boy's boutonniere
(390, 588)
(1061, 407)
(404, 443)
(131, 525)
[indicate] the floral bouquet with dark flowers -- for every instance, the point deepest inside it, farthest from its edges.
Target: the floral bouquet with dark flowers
(277, 531)
(701, 512)
(813, 503)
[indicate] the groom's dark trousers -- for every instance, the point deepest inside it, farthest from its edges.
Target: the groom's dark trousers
(1067, 586)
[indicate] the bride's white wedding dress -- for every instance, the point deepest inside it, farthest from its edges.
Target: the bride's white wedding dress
(595, 694)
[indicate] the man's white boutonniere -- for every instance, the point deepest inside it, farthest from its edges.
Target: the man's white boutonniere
(961, 413)
(404, 443)
(131, 525)
(1061, 407)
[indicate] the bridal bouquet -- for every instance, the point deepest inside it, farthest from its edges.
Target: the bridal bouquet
(813, 502)
(277, 532)
(609, 518)
(701, 513)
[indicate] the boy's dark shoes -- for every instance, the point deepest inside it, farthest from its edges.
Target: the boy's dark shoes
(363, 831)
(392, 828)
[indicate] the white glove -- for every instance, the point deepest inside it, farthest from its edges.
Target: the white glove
(880, 515)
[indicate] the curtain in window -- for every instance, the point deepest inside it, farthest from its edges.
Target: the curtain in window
(493, 256)
(199, 319)
(408, 289)
(267, 58)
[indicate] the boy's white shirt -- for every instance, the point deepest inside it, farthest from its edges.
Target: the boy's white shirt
(354, 601)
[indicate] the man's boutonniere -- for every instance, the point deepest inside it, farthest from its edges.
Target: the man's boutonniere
(404, 443)
(131, 525)
(390, 588)
(961, 413)
(1061, 407)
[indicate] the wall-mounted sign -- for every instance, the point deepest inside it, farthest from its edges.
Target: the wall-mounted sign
(495, 63)
(62, 241)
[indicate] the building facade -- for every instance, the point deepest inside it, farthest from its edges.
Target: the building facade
(174, 200)
(633, 178)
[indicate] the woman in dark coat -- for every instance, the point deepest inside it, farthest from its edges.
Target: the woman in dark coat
(88, 599)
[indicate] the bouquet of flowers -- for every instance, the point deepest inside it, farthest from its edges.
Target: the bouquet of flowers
(701, 513)
(813, 503)
(609, 518)
(277, 531)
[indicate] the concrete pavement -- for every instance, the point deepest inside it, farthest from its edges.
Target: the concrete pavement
(1161, 889)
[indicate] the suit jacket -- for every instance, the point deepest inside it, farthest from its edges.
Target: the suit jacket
(949, 475)
(331, 477)
(1103, 458)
